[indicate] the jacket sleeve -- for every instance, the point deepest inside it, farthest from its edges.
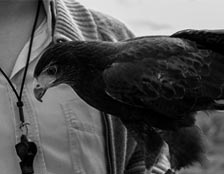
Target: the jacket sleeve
(162, 166)
(109, 28)
(136, 164)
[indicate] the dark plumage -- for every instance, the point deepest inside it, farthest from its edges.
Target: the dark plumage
(154, 84)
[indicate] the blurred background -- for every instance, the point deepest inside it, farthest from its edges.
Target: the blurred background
(147, 17)
(153, 17)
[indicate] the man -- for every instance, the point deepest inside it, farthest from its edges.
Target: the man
(71, 136)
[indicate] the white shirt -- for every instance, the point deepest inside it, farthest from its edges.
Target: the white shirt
(67, 131)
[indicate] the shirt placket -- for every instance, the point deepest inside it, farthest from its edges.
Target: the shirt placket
(30, 118)
(33, 133)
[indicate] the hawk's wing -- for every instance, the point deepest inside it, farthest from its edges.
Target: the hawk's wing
(165, 73)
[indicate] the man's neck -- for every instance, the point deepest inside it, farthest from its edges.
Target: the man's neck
(16, 9)
(16, 21)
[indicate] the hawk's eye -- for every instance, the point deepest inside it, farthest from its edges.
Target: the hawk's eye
(52, 70)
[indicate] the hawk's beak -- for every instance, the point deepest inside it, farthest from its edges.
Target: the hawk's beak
(39, 92)
(41, 84)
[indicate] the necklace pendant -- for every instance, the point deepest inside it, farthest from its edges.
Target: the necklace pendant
(26, 151)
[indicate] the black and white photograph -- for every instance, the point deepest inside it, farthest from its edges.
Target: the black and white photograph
(111, 87)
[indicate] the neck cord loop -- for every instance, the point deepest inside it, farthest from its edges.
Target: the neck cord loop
(19, 96)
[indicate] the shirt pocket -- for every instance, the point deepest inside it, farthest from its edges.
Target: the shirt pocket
(82, 117)
(85, 133)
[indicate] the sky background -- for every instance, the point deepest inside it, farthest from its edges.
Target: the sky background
(151, 17)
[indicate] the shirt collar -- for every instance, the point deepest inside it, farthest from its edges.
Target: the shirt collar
(50, 10)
